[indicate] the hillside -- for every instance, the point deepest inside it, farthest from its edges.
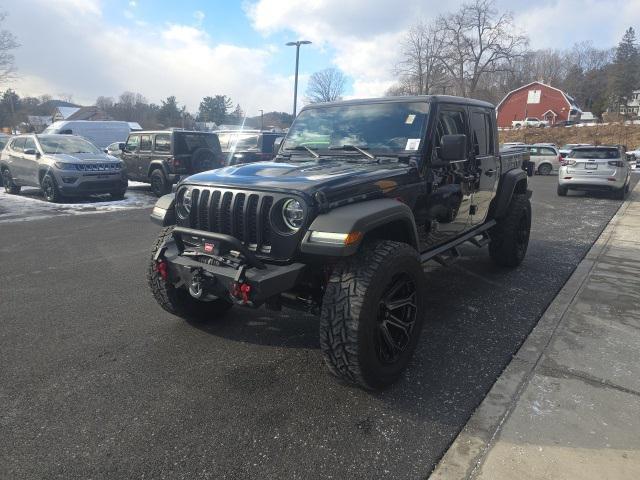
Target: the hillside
(611, 134)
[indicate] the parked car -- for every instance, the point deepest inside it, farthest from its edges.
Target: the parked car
(565, 123)
(61, 165)
(545, 158)
(100, 133)
(595, 168)
(247, 146)
(530, 122)
(114, 149)
(361, 195)
(635, 154)
(162, 157)
(4, 138)
(565, 149)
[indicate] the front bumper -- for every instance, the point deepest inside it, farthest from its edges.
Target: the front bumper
(75, 183)
(219, 265)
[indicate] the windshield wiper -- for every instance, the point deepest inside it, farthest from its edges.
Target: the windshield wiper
(354, 148)
(304, 147)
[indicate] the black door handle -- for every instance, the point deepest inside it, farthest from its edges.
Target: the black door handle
(490, 173)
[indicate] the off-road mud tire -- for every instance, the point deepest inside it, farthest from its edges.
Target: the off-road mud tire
(350, 313)
(510, 237)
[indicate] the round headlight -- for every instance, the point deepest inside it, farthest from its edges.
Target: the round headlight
(183, 202)
(293, 214)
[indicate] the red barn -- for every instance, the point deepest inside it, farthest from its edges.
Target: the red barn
(536, 100)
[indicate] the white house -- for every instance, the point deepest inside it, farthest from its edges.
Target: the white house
(633, 106)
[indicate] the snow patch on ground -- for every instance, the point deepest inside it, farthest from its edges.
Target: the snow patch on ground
(29, 204)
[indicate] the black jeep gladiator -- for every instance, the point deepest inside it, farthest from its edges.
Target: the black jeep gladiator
(359, 196)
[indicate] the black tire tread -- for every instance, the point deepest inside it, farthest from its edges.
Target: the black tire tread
(343, 303)
(13, 189)
(502, 247)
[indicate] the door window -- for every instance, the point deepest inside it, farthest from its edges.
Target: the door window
(163, 143)
(482, 133)
(18, 145)
(29, 143)
(145, 143)
(449, 123)
(132, 143)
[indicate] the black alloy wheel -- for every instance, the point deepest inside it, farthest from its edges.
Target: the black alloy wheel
(396, 318)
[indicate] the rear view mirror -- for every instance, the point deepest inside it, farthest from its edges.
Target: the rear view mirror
(453, 148)
(276, 144)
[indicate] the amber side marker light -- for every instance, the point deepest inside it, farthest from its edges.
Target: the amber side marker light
(336, 238)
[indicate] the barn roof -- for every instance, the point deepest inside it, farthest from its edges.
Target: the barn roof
(569, 99)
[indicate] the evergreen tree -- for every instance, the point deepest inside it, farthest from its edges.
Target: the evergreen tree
(625, 71)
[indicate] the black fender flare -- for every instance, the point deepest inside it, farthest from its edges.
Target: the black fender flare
(158, 164)
(164, 212)
(513, 181)
(362, 217)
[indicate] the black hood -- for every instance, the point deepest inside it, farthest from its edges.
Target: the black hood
(335, 177)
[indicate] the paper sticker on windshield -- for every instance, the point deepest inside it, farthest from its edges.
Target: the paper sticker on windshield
(410, 119)
(412, 144)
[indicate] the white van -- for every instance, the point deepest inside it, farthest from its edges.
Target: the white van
(100, 133)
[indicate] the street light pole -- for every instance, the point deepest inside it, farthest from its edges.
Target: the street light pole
(295, 87)
(261, 119)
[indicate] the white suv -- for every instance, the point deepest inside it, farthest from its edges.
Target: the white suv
(595, 168)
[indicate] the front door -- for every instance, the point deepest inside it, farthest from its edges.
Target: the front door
(485, 163)
(16, 162)
(130, 157)
(450, 198)
(30, 162)
(144, 156)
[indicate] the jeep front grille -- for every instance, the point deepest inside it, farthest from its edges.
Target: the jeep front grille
(245, 216)
(97, 167)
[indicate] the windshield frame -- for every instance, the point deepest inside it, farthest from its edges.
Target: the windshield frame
(65, 138)
(288, 147)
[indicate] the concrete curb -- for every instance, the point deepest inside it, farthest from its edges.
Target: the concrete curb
(466, 454)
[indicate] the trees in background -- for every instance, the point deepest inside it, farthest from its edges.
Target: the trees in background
(8, 43)
(326, 86)
(625, 70)
(214, 109)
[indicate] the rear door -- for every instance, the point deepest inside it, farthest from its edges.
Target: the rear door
(484, 162)
(162, 150)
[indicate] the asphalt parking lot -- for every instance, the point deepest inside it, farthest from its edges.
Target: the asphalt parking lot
(96, 381)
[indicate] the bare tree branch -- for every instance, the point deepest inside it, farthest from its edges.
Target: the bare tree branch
(326, 86)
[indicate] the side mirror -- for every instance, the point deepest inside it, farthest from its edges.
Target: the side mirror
(453, 148)
(276, 145)
(121, 145)
(30, 151)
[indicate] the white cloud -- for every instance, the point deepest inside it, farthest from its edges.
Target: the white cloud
(87, 57)
(364, 35)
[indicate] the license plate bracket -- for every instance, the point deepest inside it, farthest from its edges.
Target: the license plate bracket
(591, 166)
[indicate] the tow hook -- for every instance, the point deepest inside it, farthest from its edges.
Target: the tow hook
(195, 289)
(241, 291)
(161, 268)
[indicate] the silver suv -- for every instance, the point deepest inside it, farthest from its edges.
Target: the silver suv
(61, 165)
(602, 168)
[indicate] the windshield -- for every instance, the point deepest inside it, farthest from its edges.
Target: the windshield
(66, 144)
(390, 127)
(595, 153)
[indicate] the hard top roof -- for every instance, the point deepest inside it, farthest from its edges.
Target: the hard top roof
(407, 99)
(142, 132)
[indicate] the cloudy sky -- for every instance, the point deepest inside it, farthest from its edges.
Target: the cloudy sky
(191, 48)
